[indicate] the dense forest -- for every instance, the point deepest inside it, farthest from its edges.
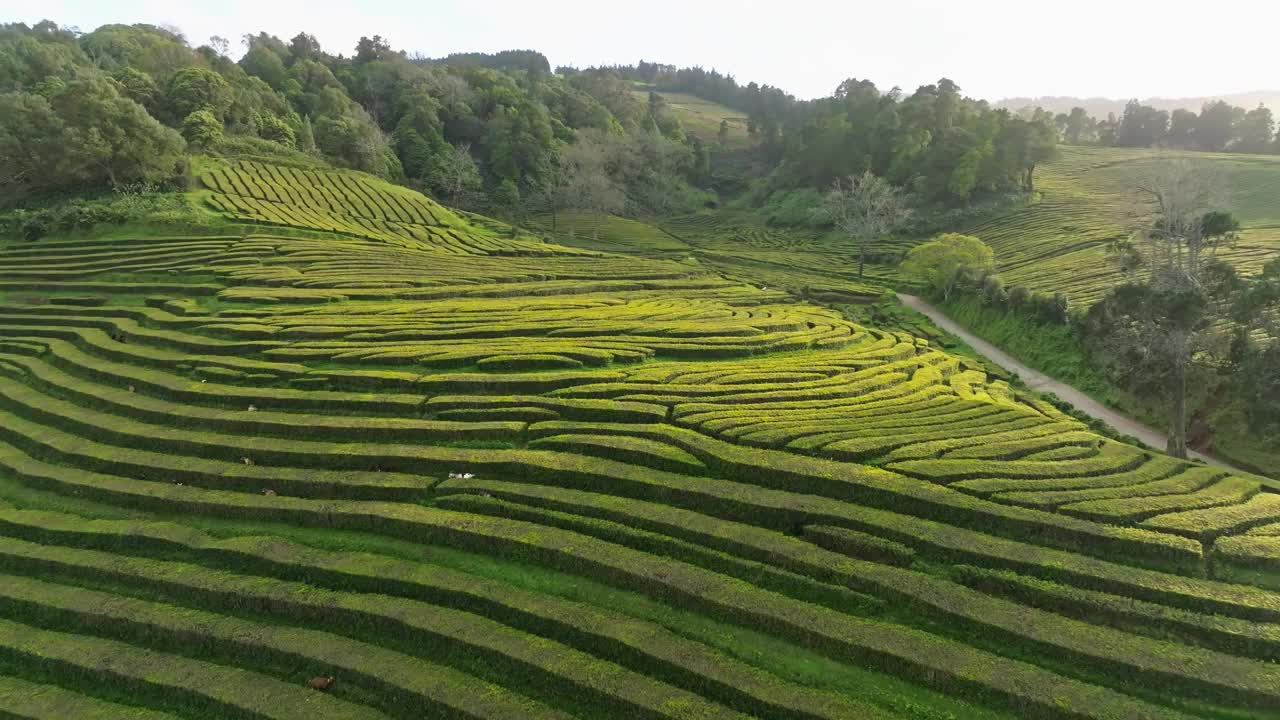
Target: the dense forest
(127, 104)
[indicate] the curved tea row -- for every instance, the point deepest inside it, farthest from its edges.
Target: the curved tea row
(578, 485)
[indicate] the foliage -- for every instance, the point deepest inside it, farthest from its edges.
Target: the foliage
(944, 262)
(1217, 127)
(202, 129)
(196, 88)
(83, 134)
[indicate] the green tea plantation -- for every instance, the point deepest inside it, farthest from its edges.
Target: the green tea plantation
(464, 471)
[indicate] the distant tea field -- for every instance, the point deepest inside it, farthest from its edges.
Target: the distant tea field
(469, 472)
(1058, 242)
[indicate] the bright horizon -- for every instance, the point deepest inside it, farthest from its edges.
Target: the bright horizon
(993, 49)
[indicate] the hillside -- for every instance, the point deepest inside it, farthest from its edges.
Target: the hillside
(703, 117)
(469, 472)
(1058, 242)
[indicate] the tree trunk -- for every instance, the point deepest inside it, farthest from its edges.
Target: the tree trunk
(862, 258)
(1177, 446)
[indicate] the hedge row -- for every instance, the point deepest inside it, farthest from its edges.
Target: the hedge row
(1251, 552)
(405, 683)
(891, 648)
(762, 575)
(98, 342)
(417, 624)
(811, 434)
(83, 367)
(638, 451)
(641, 645)
(1187, 481)
(263, 421)
(1013, 449)
(860, 545)
(132, 332)
(209, 689)
(1227, 491)
(1226, 634)
(906, 445)
(872, 486)
(54, 445)
(1112, 458)
(1106, 650)
(571, 409)
(1057, 490)
(35, 701)
(1212, 522)
(927, 405)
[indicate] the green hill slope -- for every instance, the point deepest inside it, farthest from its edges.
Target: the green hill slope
(1058, 243)
(472, 478)
(703, 117)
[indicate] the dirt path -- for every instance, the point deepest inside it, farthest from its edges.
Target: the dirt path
(1043, 383)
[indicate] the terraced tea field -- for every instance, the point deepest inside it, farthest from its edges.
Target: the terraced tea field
(468, 478)
(1058, 243)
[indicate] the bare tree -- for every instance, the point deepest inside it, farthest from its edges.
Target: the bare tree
(1170, 319)
(864, 208)
(589, 185)
(456, 175)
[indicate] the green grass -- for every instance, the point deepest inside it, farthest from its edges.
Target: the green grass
(1051, 349)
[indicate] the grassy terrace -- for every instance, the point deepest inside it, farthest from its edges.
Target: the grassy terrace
(473, 473)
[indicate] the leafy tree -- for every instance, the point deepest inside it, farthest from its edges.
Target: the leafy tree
(1078, 127)
(273, 128)
(942, 263)
(864, 208)
(110, 137)
(1255, 131)
(303, 47)
(371, 49)
(1215, 126)
(29, 57)
(202, 129)
(262, 62)
(353, 139)
(722, 135)
(138, 86)
(85, 134)
(197, 88)
(307, 137)
(153, 50)
(1141, 125)
(1182, 129)
(30, 142)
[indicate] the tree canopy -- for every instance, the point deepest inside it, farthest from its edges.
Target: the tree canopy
(944, 261)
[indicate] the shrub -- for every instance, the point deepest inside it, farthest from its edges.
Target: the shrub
(993, 292)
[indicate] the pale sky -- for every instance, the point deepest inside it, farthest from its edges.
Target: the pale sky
(991, 48)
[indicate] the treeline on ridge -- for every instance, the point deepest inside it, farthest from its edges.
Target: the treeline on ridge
(499, 132)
